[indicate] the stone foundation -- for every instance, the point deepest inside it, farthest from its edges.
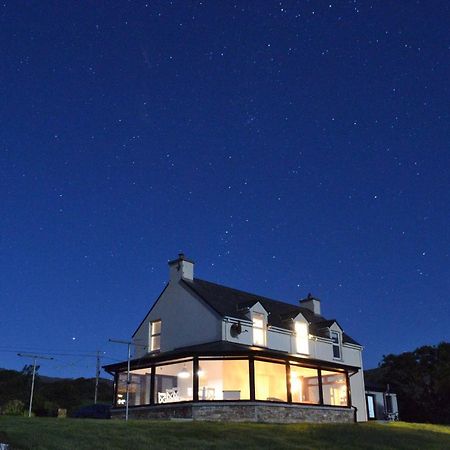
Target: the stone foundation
(240, 412)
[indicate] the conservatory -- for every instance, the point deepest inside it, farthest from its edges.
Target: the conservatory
(161, 385)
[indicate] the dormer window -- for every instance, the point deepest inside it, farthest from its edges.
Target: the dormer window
(155, 335)
(302, 337)
(336, 340)
(259, 330)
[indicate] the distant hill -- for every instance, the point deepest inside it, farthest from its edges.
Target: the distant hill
(52, 393)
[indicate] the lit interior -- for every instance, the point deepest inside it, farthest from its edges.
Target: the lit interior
(334, 386)
(224, 380)
(259, 335)
(270, 381)
(302, 337)
(229, 379)
(304, 385)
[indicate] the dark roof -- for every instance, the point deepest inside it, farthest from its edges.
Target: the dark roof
(220, 348)
(231, 302)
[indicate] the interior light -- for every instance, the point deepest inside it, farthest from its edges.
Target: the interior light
(200, 371)
(184, 373)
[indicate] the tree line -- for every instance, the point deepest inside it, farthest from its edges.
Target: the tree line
(421, 380)
(50, 394)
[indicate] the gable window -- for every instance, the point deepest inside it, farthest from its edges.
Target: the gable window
(302, 337)
(155, 335)
(336, 339)
(259, 332)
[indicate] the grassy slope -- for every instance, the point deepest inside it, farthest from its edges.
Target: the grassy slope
(61, 434)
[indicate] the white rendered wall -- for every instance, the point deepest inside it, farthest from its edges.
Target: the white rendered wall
(186, 320)
(358, 395)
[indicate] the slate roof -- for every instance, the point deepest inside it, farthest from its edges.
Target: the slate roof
(218, 348)
(232, 302)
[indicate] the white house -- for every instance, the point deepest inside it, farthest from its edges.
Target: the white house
(209, 352)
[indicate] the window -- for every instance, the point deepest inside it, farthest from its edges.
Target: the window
(270, 381)
(334, 386)
(304, 385)
(225, 379)
(336, 339)
(302, 337)
(139, 388)
(370, 406)
(173, 382)
(155, 335)
(259, 332)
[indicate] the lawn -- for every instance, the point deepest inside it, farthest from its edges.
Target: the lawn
(79, 434)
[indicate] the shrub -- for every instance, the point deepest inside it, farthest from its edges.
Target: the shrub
(13, 408)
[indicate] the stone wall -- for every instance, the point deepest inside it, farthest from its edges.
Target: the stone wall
(241, 412)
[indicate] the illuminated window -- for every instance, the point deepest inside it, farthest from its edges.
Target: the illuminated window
(174, 382)
(302, 337)
(225, 379)
(259, 332)
(138, 390)
(336, 339)
(334, 386)
(270, 381)
(155, 335)
(304, 385)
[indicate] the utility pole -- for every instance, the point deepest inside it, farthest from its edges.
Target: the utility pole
(129, 344)
(97, 374)
(35, 358)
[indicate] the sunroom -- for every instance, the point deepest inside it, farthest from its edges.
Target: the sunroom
(237, 381)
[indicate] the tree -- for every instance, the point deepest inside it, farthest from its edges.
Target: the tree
(421, 380)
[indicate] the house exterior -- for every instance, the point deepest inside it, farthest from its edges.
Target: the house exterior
(381, 402)
(209, 352)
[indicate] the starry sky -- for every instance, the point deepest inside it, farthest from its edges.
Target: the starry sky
(287, 147)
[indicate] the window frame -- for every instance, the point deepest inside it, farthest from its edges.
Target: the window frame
(336, 345)
(196, 361)
(153, 335)
(298, 348)
(263, 328)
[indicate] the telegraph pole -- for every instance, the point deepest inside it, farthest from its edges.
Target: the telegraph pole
(97, 374)
(129, 344)
(35, 358)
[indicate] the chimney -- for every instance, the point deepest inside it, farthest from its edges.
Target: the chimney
(181, 268)
(311, 303)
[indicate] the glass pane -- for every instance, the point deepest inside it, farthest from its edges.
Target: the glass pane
(258, 321)
(335, 337)
(258, 336)
(302, 338)
(223, 380)
(156, 327)
(304, 385)
(336, 351)
(270, 381)
(155, 343)
(173, 383)
(334, 385)
(258, 329)
(370, 407)
(139, 389)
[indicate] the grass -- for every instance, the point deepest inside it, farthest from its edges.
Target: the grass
(80, 434)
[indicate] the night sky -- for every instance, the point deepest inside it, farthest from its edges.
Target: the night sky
(287, 147)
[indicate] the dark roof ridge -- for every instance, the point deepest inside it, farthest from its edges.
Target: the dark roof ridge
(248, 293)
(226, 300)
